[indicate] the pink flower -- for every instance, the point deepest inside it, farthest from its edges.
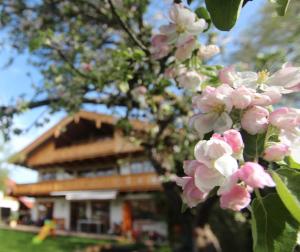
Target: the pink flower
(276, 152)
(214, 99)
(215, 104)
(87, 67)
(255, 176)
(285, 118)
(234, 139)
(225, 75)
(191, 194)
(190, 79)
(255, 120)
(287, 79)
(204, 123)
(242, 97)
(216, 155)
(160, 47)
(236, 199)
(269, 97)
(185, 49)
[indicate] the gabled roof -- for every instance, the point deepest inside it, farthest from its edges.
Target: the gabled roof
(56, 130)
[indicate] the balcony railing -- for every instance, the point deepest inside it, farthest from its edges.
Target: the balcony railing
(122, 183)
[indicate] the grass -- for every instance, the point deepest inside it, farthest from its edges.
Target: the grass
(16, 241)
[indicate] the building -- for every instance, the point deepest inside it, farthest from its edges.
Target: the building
(91, 177)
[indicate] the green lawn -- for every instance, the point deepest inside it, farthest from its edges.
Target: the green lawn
(15, 241)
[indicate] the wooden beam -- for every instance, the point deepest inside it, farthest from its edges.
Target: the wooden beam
(122, 183)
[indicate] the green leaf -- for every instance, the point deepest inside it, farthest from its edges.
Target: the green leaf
(281, 6)
(184, 207)
(292, 163)
(273, 227)
(224, 13)
(254, 145)
(271, 135)
(288, 188)
(201, 12)
(35, 43)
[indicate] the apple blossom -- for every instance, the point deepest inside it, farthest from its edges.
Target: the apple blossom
(185, 49)
(276, 152)
(236, 199)
(160, 48)
(229, 76)
(285, 118)
(234, 139)
(255, 120)
(291, 138)
(184, 23)
(190, 79)
(214, 104)
(255, 176)
(225, 75)
(207, 52)
(216, 154)
(287, 79)
(191, 194)
(205, 123)
(206, 178)
(242, 97)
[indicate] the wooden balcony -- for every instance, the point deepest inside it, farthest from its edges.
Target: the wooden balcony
(122, 183)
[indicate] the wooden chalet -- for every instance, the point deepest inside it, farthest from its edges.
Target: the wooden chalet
(91, 177)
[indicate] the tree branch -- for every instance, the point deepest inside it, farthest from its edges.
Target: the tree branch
(127, 29)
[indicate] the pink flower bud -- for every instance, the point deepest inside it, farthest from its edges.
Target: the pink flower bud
(87, 67)
(285, 118)
(276, 152)
(236, 199)
(242, 97)
(255, 176)
(234, 139)
(224, 75)
(255, 120)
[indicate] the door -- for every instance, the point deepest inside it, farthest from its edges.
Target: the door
(78, 212)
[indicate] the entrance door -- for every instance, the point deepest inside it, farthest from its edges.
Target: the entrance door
(78, 212)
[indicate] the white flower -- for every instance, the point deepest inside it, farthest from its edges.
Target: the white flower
(219, 165)
(287, 79)
(190, 79)
(206, 52)
(184, 23)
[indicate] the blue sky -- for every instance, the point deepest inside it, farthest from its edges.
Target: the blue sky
(18, 78)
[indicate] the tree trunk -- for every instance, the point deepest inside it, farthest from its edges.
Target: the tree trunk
(180, 224)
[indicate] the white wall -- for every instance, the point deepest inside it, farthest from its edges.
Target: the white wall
(116, 212)
(61, 210)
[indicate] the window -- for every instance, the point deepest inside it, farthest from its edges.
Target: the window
(137, 167)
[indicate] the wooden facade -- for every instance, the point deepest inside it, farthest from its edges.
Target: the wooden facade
(63, 146)
(122, 183)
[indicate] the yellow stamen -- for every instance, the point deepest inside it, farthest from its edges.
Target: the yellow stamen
(262, 76)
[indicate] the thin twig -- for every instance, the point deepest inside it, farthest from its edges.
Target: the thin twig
(127, 29)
